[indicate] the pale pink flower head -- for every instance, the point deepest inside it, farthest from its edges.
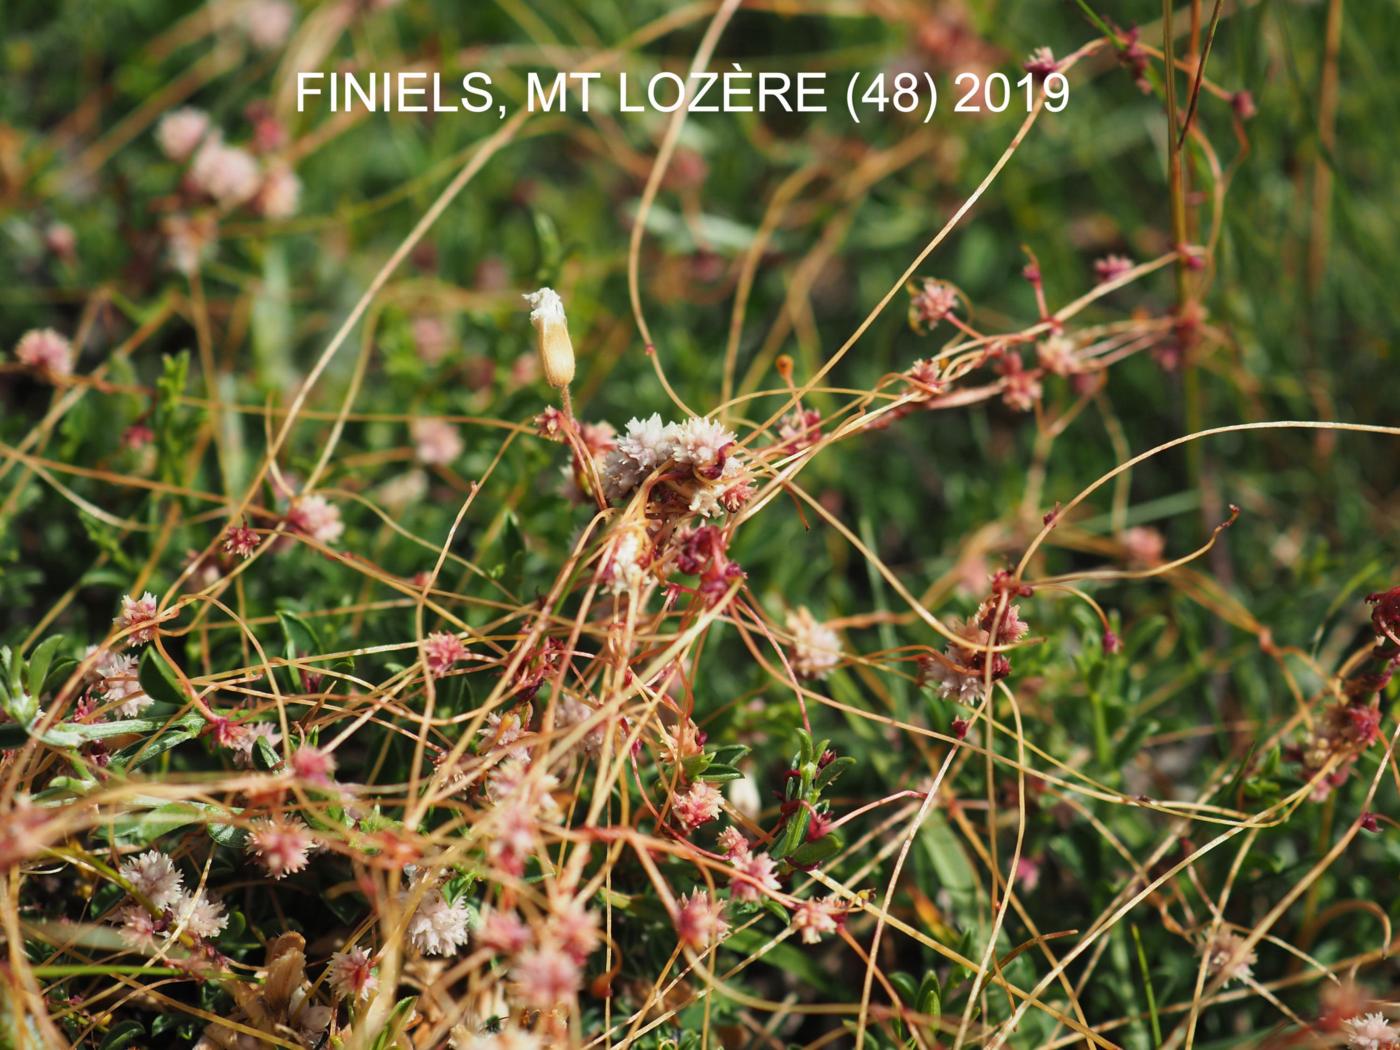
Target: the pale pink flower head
(503, 931)
(816, 918)
(1021, 388)
(732, 842)
(441, 651)
(317, 517)
(699, 805)
(227, 174)
(268, 23)
(138, 927)
(199, 913)
(180, 131)
(430, 338)
(139, 618)
(572, 927)
(700, 920)
(816, 648)
(119, 682)
(351, 974)
(753, 877)
(546, 976)
(517, 831)
(242, 739)
(189, 240)
(1143, 545)
(281, 846)
(438, 926)
(313, 764)
(45, 350)
(1371, 1032)
(436, 441)
(700, 441)
(933, 302)
(280, 193)
(60, 239)
(1041, 63)
(1058, 354)
(154, 876)
(1111, 267)
(240, 541)
(1226, 953)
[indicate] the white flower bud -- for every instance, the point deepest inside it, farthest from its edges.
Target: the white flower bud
(552, 336)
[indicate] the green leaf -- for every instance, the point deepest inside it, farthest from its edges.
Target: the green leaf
(812, 853)
(832, 771)
(718, 773)
(393, 1027)
(123, 1034)
(160, 680)
(39, 661)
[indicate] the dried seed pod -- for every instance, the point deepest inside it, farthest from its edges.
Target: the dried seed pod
(552, 336)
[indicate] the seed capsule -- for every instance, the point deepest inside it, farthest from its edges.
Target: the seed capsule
(552, 336)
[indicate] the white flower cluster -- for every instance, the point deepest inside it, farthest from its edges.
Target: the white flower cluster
(155, 877)
(701, 443)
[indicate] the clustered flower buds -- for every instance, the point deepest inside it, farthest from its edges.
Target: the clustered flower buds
(960, 672)
(1352, 724)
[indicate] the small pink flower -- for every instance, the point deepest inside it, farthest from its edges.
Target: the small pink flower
(1143, 546)
(700, 920)
(154, 876)
(242, 738)
(1057, 354)
(753, 876)
(732, 842)
(441, 650)
(119, 682)
(138, 927)
(45, 350)
(439, 926)
(199, 913)
(436, 441)
(1242, 102)
(504, 932)
(1041, 63)
(317, 517)
(573, 928)
(816, 648)
(181, 131)
(189, 240)
(313, 764)
(1371, 1032)
(241, 541)
(281, 846)
(934, 301)
(546, 976)
(1226, 954)
(815, 918)
(226, 173)
(1112, 267)
(351, 974)
(1028, 874)
(137, 436)
(517, 831)
(268, 23)
(60, 239)
(1020, 389)
(139, 617)
(699, 805)
(279, 194)
(430, 338)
